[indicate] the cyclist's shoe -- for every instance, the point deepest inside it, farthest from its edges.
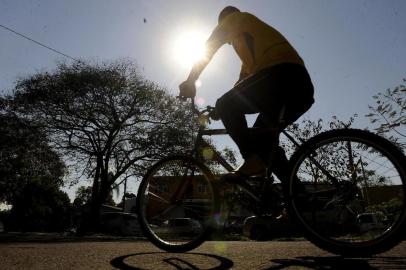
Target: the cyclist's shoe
(252, 166)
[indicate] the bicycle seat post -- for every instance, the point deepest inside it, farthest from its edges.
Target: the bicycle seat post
(268, 174)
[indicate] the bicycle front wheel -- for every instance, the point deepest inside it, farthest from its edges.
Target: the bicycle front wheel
(348, 191)
(176, 204)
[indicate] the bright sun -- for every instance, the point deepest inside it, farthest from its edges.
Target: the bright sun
(189, 48)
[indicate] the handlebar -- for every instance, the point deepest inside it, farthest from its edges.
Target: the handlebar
(208, 111)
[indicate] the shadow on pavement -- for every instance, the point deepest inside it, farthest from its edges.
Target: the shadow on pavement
(337, 262)
(36, 237)
(164, 260)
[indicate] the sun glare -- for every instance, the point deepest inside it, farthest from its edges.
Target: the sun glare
(189, 48)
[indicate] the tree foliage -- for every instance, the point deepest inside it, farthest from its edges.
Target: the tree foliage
(39, 205)
(31, 174)
(83, 197)
(25, 155)
(388, 113)
(341, 159)
(306, 129)
(105, 118)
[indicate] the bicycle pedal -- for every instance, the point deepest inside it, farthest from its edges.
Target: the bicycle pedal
(233, 178)
(255, 178)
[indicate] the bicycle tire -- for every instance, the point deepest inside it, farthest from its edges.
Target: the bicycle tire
(151, 231)
(391, 235)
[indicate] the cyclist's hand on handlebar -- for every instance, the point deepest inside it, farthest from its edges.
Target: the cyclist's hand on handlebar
(187, 89)
(213, 113)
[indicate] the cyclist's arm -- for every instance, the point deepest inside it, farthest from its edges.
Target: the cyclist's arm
(243, 74)
(217, 39)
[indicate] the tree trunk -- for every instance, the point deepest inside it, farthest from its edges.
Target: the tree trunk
(91, 221)
(104, 190)
(106, 182)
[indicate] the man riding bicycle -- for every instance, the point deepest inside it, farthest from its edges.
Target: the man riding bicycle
(273, 82)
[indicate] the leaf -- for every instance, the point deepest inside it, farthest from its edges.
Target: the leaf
(394, 125)
(386, 106)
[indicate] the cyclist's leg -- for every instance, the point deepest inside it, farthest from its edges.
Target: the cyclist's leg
(270, 151)
(285, 85)
(231, 108)
(295, 96)
(244, 98)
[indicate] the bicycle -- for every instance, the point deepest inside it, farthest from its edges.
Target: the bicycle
(346, 191)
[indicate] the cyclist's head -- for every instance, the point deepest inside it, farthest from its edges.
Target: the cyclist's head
(227, 11)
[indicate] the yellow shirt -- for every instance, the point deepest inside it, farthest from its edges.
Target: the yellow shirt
(257, 44)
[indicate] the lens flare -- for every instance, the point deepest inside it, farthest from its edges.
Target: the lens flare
(220, 247)
(200, 101)
(208, 153)
(198, 83)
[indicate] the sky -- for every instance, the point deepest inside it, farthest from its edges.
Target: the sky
(353, 49)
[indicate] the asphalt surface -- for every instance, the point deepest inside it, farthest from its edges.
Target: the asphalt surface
(211, 255)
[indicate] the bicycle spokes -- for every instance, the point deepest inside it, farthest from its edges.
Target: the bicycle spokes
(361, 197)
(178, 201)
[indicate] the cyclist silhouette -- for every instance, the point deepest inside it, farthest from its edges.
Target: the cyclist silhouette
(273, 82)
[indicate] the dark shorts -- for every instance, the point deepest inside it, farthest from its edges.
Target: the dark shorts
(283, 91)
(285, 86)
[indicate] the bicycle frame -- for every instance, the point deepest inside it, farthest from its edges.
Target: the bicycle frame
(330, 213)
(203, 131)
(200, 141)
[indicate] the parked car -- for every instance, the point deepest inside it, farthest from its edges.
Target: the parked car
(181, 226)
(234, 225)
(371, 221)
(120, 223)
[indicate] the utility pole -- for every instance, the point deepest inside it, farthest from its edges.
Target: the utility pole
(365, 181)
(351, 160)
(125, 191)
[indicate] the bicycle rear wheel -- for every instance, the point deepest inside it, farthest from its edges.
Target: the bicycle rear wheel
(176, 204)
(348, 191)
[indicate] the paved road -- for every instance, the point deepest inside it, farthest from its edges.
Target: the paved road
(211, 255)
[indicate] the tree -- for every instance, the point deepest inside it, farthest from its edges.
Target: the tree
(24, 155)
(83, 197)
(40, 206)
(388, 113)
(106, 118)
(306, 129)
(30, 177)
(340, 159)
